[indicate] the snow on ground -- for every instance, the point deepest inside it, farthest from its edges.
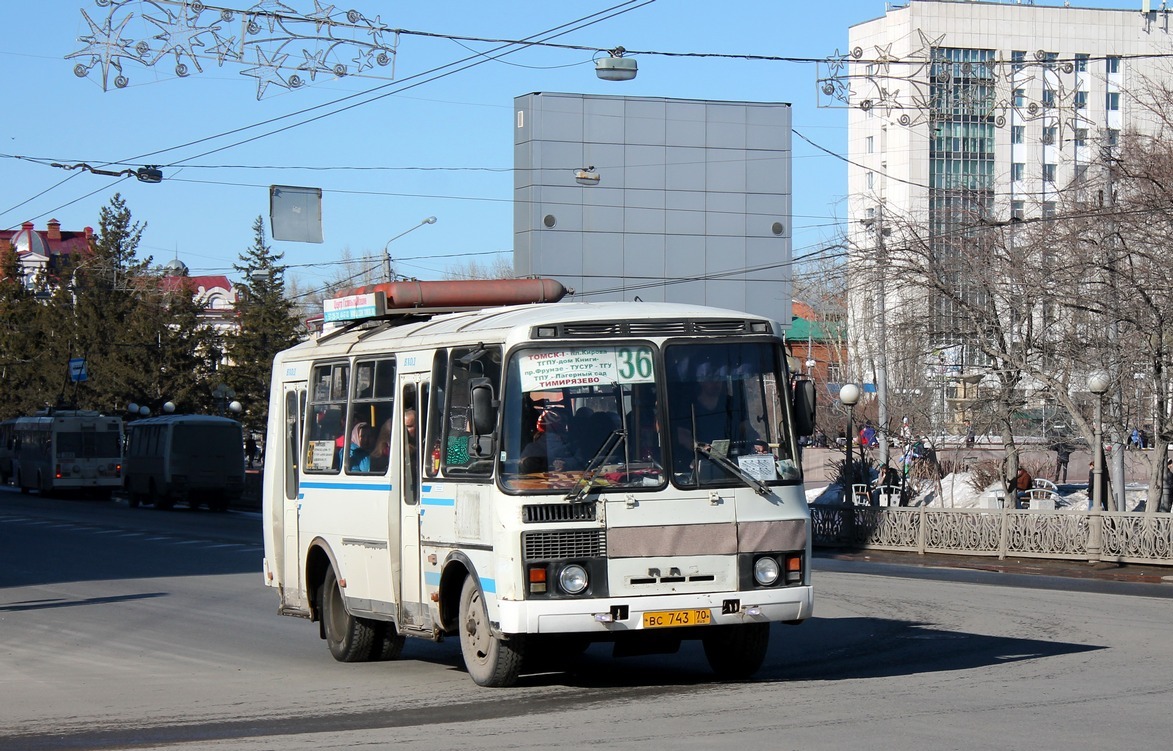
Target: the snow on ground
(957, 491)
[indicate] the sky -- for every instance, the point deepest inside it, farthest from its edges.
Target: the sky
(393, 145)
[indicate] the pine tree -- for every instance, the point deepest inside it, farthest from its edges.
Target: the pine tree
(268, 324)
(24, 362)
(101, 302)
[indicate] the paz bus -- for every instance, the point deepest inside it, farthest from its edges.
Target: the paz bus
(190, 458)
(67, 450)
(471, 460)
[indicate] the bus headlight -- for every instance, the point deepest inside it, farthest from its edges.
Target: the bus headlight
(573, 579)
(766, 571)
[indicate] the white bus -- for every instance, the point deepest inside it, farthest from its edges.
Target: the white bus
(67, 450)
(533, 478)
(192, 459)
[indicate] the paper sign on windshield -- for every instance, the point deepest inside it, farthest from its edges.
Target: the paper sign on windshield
(758, 466)
(556, 369)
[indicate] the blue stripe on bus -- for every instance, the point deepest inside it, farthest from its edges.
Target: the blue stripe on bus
(438, 501)
(433, 580)
(345, 486)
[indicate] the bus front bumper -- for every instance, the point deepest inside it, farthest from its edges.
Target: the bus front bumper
(619, 614)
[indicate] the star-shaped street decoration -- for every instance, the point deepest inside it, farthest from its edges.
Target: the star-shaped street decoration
(315, 62)
(320, 16)
(180, 35)
(267, 71)
(270, 11)
(104, 44)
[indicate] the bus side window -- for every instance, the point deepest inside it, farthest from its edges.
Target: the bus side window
(293, 440)
(326, 440)
(373, 404)
(411, 466)
(467, 366)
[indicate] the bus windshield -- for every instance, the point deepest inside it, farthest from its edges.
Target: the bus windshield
(726, 419)
(573, 409)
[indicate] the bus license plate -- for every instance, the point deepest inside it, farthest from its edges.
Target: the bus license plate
(668, 618)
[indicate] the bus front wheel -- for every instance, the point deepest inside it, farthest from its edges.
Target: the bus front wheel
(736, 652)
(350, 639)
(489, 659)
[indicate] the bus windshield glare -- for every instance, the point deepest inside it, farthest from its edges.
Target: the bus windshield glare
(714, 416)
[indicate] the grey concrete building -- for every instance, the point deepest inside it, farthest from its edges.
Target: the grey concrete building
(670, 200)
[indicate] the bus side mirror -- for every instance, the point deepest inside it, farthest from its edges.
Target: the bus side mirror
(804, 408)
(484, 416)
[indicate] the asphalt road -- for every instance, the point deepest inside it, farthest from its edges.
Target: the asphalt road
(136, 628)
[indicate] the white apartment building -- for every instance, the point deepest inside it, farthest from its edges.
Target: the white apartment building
(961, 104)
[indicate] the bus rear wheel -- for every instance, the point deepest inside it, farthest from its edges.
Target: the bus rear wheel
(736, 652)
(388, 642)
(350, 639)
(490, 660)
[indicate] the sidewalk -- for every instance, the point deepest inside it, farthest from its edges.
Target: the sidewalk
(1119, 572)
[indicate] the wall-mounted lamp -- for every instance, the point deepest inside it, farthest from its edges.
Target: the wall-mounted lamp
(615, 67)
(586, 176)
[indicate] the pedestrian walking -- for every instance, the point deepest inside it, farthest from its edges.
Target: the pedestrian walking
(250, 450)
(1062, 457)
(970, 435)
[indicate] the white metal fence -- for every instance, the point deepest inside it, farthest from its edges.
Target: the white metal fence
(1124, 537)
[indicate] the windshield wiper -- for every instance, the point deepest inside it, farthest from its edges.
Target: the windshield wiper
(724, 463)
(587, 479)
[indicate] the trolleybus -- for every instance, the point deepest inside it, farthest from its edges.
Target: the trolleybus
(67, 450)
(529, 479)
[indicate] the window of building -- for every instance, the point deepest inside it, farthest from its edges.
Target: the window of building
(1080, 100)
(1048, 209)
(1113, 101)
(1018, 210)
(871, 180)
(1049, 173)
(871, 144)
(1018, 59)
(1113, 137)
(1112, 64)
(1017, 170)
(1050, 58)
(1081, 136)
(1019, 97)
(1017, 134)
(1080, 173)
(1081, 59)
(1048, 98)
(1049, 135)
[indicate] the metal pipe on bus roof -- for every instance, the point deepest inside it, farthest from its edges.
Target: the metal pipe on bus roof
(464, 292)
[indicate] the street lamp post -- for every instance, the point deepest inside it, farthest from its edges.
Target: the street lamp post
(1098, 384)
(849, 396)
(387, 251)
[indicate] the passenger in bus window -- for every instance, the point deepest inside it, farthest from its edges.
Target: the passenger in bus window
(381, 453)
(549, 451)
(358, 458)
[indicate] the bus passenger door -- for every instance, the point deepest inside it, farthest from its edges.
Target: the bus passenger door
(287, 513)
(414, 399)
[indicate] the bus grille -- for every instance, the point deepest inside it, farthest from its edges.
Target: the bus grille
(558, 512)
(548, 546)
(653, 327)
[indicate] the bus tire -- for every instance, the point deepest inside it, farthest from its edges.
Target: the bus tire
(490, 660)
(736, 652)
(388, 642)
(350, 639)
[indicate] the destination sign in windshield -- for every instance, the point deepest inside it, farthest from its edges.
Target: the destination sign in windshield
(556, 369)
